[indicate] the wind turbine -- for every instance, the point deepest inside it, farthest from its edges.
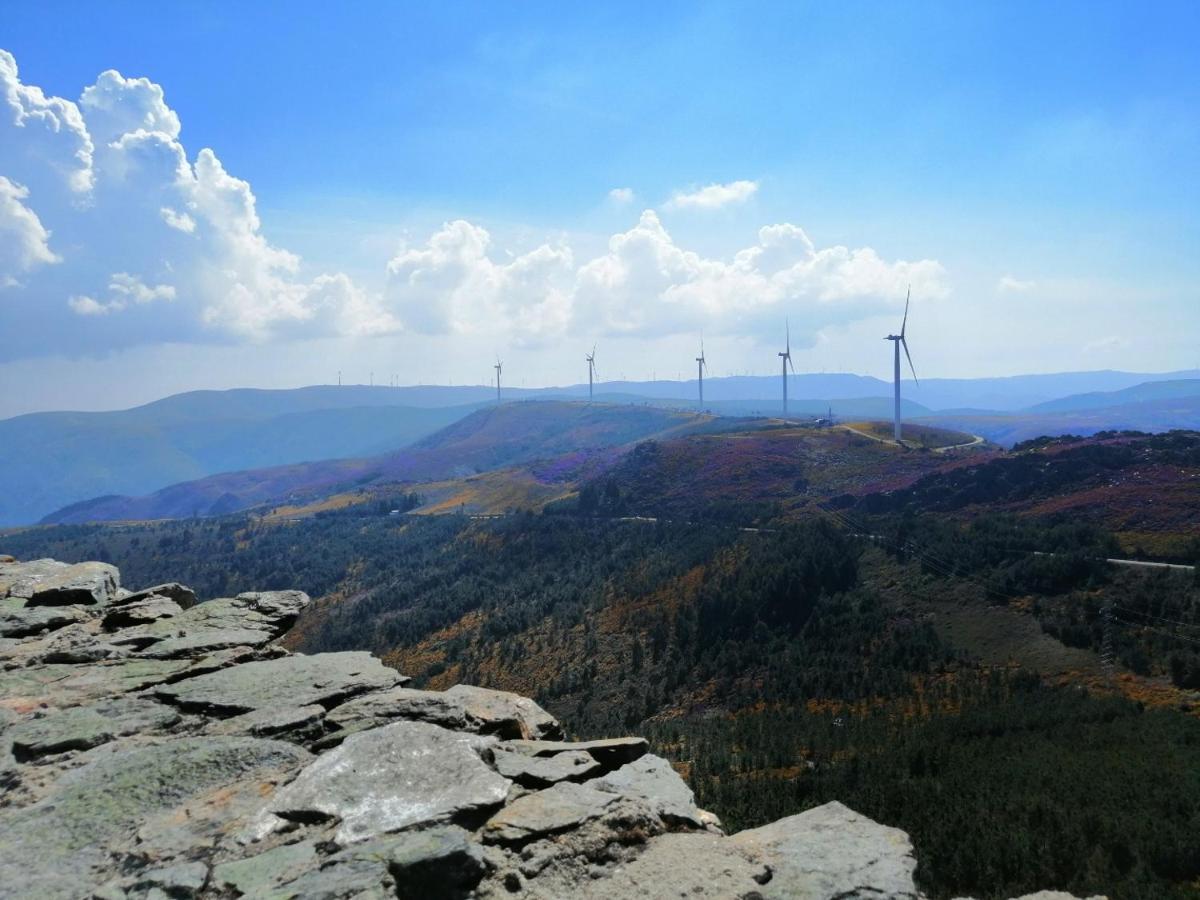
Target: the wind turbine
(498, 366)
(701, 365)
(786, 357)
(898, 340)
(591, 361)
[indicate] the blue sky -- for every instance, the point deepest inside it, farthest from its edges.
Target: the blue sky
(1032, 168)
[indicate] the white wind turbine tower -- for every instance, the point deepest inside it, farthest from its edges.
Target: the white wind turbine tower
(591, 361)
(498, 366)
(898, 340)
(786, 357)
(701, 366)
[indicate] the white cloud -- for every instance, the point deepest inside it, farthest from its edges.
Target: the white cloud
(645, 285)
(159, 246)
(86, 306)
(111, 181)
(621, 195)
(24, 242)
(714, 196)
(1010, 285)
(177, 220)
(452, 285)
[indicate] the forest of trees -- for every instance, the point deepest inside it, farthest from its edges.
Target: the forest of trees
(770, 665)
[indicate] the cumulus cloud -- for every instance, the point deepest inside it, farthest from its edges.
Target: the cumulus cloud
(645, 285)
(109, 180)
(24, 242)
(1009, 285)
(714, 196)
(111, 234)
(452, 285)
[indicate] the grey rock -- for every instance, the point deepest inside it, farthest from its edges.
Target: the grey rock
(547, 812)
(612, 753)
(289, 681)
(58, 846)
(400, 703)
(832, 851)
(180, 880)
(1057, 895)
(265, 874)
(670, 865)
(505, 714)
(89, 583)
(172, 590)
(27, 689)
(18, 620)
(84, 727)
(385, 779)
(652, 778)
(140, 612)
(435, 864)
(462, 708)
(543, 771)
(247, 620)
(20, 579)
(301, 723)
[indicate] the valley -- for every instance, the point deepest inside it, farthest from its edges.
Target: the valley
(791, 614)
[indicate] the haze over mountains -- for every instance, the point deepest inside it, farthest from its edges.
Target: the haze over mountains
(182, 438)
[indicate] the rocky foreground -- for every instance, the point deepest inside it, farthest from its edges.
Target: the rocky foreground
(153, 747)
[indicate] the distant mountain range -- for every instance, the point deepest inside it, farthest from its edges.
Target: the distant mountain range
(56, 459)
(485, 440)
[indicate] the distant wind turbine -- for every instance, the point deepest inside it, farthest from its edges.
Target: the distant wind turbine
(701, 365)
(898, 340)
(786, 357)
(498, 367)
(591, 361)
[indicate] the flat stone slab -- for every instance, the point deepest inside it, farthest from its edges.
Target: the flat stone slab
(87, 584)
(62, 685)
(652, 778)
(612, 753)
(18, 620)
(462, 708)
(831, 851)
(290, 681)
(84, 727)
(56, 847)
(671, 865)
(172, 590)
(505, 714)
(140, 612)
(543, 771)
(559, 808)
(289, 722)
(247, 620)
(385, 779)
(263, 875)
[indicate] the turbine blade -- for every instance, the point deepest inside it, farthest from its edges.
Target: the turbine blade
(791, 365)
(904, 323)
(910, 365)
(787, 330)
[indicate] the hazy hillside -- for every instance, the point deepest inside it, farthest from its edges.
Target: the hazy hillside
(49, 460)
(1141, 393)
(487, 439)
(1150, 415)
